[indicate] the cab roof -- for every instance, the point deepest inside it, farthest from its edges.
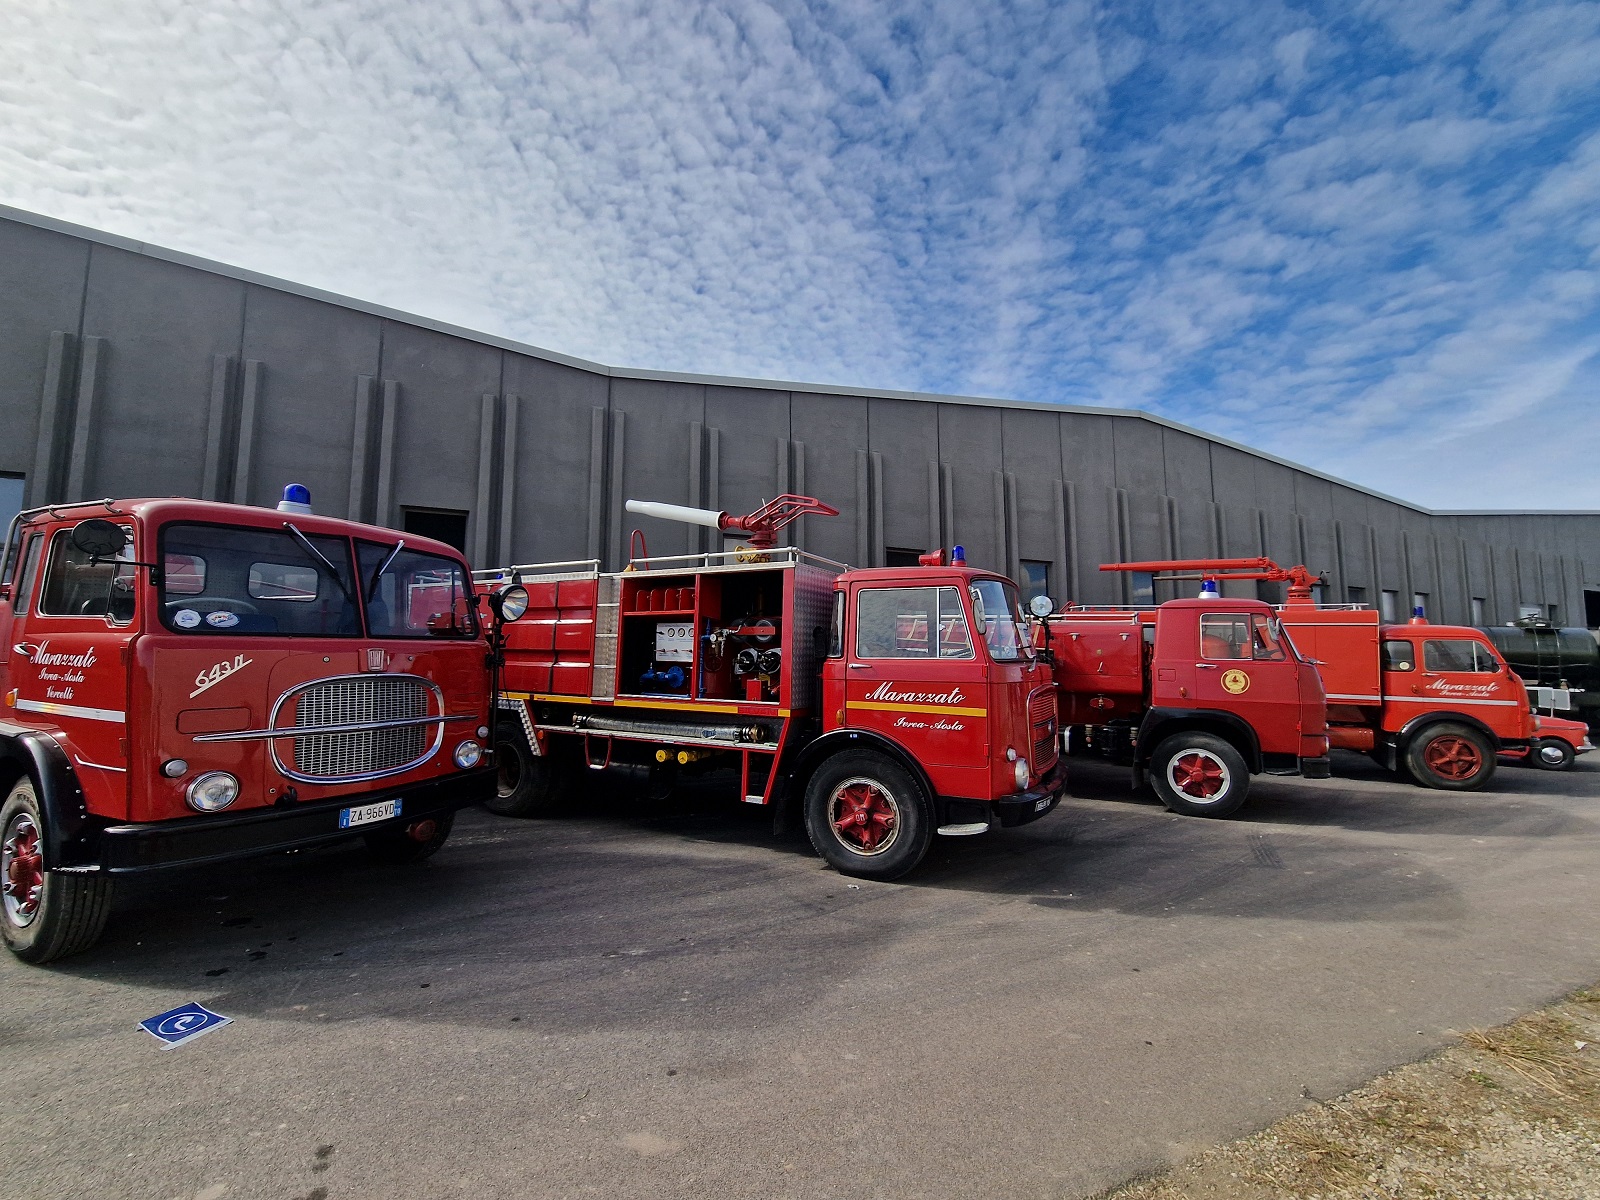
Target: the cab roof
(160, 510)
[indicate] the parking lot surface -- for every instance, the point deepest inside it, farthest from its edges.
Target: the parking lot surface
(668, 1002)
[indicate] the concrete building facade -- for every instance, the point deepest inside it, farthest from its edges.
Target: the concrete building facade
(128, 370)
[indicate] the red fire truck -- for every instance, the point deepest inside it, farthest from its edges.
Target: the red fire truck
(187, 682)
(887, 704)
(1195, 695)
(1435, 703)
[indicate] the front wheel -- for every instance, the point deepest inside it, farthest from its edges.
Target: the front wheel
(527, 784)
(47, 914)
(1453, 758)
(410, 843)
(867, 816)
(1199, 775)
(1552, 754)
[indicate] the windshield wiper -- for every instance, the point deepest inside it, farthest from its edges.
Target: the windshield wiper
(378, 574)
(322, 558)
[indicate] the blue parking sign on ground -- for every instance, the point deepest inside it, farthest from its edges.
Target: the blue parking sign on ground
(178, 1025)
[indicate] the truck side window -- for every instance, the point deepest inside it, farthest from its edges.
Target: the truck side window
(1399, 655)
(30, 568)
(1225, 636)
(836, 627)
(1459, 655)
(1267, 642)
(76, 587)
(911, 623)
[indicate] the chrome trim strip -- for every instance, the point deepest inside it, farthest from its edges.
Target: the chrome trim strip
(283, 732)
(84, 762)
(73, 710)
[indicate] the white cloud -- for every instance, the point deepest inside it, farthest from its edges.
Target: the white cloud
(1341, 240)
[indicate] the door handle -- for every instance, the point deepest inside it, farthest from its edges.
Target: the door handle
(1207, 666)
(861, 666)
(27, 651)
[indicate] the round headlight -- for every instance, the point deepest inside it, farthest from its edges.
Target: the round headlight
(513, 602)
(212, 791)
(468, 754)
(1022, 775)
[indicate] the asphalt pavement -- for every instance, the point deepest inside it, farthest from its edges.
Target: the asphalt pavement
(667, 1001)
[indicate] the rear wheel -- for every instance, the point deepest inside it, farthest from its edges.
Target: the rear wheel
(1199, 775)
(867, 816)
(1552, 754)
(412, 842)
(527, 784)
(46, 914)
(1454, 758)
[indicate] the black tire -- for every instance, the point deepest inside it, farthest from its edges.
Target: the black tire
(1551, 754)
(411, 842)
(1450, 757)
(55, 913)
(1199, 775)
(528, 784)
(896, 817)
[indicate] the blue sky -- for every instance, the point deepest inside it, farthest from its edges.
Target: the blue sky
(1365, 237)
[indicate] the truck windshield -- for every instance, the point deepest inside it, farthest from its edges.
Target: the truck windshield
(263, 582)
(998, 613)
(412, 594)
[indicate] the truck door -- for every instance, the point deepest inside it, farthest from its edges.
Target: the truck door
(1245, 667)
(913, 675)
(69, 665)
(1464, 673)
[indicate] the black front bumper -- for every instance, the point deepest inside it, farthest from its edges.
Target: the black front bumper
(1008, 811)
(125, 848)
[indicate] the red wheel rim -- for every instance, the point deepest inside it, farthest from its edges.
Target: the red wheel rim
(21, 870)
(1198, 775)
(1453, 757)
(865, 818)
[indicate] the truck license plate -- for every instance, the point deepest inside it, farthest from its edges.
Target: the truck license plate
(368, 813)
(1041, 805)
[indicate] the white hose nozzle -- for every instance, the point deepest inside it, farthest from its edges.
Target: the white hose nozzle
(676, 512)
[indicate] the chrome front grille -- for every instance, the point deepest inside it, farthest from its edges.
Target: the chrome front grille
(363, 700)
(1042, 723)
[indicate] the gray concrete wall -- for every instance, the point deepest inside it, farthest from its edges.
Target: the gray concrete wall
(126, 369)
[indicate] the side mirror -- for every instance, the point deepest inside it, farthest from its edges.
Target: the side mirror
(99, 538)
(1041, 606)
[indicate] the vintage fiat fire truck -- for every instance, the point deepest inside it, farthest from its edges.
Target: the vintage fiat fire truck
(186, 682)
(1195, 695)
(1433, 703)
(887, 705)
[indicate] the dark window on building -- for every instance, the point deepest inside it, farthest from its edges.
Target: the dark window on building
(1591, 608)
(1141, 587)
(1035, 580)
(11, 488)
(440, 524)
(1553, 613)
(1355, 595)
(1479, 608)
(1388, 604)
(1319, 594)
(899, 556)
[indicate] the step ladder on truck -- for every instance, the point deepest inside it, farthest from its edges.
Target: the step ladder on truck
(1195, 695)
(188, 682)
(883, 706)
(1436, 704)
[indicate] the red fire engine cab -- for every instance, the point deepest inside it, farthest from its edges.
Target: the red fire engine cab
(1196, 695)
(1434, 703)
(887, 704)
(187, 682)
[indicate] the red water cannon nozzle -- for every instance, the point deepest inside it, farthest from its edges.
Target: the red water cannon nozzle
(933, 559)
